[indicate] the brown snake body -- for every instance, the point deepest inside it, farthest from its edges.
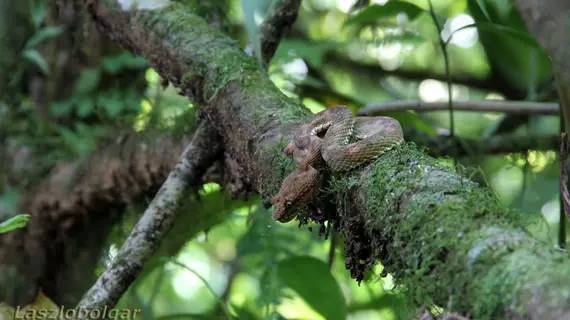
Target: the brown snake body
(333, 138)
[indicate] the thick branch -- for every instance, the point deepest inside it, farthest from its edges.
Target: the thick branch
(72, 210)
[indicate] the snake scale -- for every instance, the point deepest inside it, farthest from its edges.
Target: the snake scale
(334, 139)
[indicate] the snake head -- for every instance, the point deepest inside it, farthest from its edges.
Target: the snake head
(283, 209)
(298, 188)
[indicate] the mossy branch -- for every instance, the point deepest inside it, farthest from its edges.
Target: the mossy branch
(448, 241)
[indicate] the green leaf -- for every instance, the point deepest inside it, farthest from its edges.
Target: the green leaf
(115, 63)
(313, 281)
(43, 34)
(112, 103)
(35, 57)
(85, 107)
(60, 108)
(88, 81)
(81, 145)
(501, 30)
(16, 222)
(37, 10)
(478, 10)
(389, 10)
(112, 64)
(69, 137)
(135, 62)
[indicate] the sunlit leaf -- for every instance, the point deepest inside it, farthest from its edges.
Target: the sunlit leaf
(389, 10)
(313, 281)
(243, 313)
(16, 222)
(35, 57)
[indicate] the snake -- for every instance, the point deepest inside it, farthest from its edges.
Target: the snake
(332, 139)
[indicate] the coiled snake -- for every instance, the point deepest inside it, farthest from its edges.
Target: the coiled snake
(333, 138)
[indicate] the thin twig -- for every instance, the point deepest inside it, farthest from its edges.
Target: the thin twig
(511, 107)
(447, 70)
(562, 215)
(564, 147)
(157, 220)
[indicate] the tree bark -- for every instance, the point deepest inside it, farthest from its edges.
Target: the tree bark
(447, 240)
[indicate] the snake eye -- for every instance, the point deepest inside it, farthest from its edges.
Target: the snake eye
(288, 203)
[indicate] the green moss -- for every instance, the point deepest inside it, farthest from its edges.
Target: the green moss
(215, 58)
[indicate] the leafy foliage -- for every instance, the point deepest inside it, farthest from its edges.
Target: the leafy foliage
(16, 222)
(312, 280)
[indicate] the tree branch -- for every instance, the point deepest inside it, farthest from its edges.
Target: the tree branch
(512, 107)
(443, 145)
(157, 220)
(278, 22)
